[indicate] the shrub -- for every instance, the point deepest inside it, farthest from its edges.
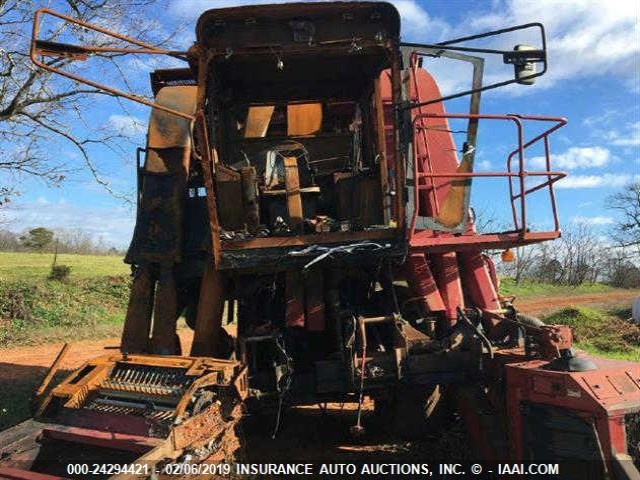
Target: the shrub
(60, 272)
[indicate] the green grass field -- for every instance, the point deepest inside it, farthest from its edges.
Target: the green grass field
(33, 266)
(35, 309)
(91, 303)
(527, 289)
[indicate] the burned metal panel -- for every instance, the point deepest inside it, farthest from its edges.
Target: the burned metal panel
(171, 77)
(301, 24)
(158, 234)
(167, 130)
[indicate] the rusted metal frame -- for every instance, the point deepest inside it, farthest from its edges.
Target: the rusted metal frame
(549, 180)
(553, 177)
(416, 191)
(74, 392)
(552, 193)
(439, 244)
(52, 371)
(560, 123)
(47, 11)
(396, 97)
(474, 105)
(208, 153)
(42, 50)
(554, 173)
(382, 151)
(300, 240)
(99, 438)
(77, 393)
(207, 168)
(82, 52)
(34, 51)
(523, 209)
(327, 47)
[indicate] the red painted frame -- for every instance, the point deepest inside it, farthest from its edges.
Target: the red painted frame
(519, 235)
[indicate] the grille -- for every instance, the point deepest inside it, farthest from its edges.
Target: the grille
(552, 434)
(150, 411)
(163, 381)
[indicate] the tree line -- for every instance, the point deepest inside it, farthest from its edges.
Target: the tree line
(42, 240)
(580, 256)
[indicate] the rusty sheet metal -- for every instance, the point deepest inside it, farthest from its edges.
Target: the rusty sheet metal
(158, 234)
(210, 310)
(167, 130)
(614, 387)
(258, 119)
(137, 323)
(304, 119)
(208, 424)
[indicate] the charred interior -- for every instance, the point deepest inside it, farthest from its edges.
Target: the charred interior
(298, 148)
(303, 140)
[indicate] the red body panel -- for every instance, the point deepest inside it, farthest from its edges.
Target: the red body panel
(601, 396)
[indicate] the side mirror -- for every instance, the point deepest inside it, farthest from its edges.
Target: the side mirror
(524, 68)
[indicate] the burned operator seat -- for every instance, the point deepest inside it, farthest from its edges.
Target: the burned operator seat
(157, 245)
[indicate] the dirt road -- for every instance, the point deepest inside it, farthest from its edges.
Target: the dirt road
(543, 305)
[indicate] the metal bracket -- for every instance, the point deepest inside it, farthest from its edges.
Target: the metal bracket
(43, 48)
(508, 56)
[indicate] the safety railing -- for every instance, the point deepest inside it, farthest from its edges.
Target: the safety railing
(423, 167)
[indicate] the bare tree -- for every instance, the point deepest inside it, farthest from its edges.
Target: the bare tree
(581, 255)
(619, 271)
(39, 109)
(626, 232)
(523, 264)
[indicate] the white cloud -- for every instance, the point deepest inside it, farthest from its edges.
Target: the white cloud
(585, 38)
(629, 136)
(415, 20)
(608, 180)
(127, 124)
(576, 157)
(483, 165)
(598, 220)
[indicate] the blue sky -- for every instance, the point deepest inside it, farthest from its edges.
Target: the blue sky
(593, 80)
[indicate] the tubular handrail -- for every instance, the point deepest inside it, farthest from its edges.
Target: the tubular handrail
(552, 176)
